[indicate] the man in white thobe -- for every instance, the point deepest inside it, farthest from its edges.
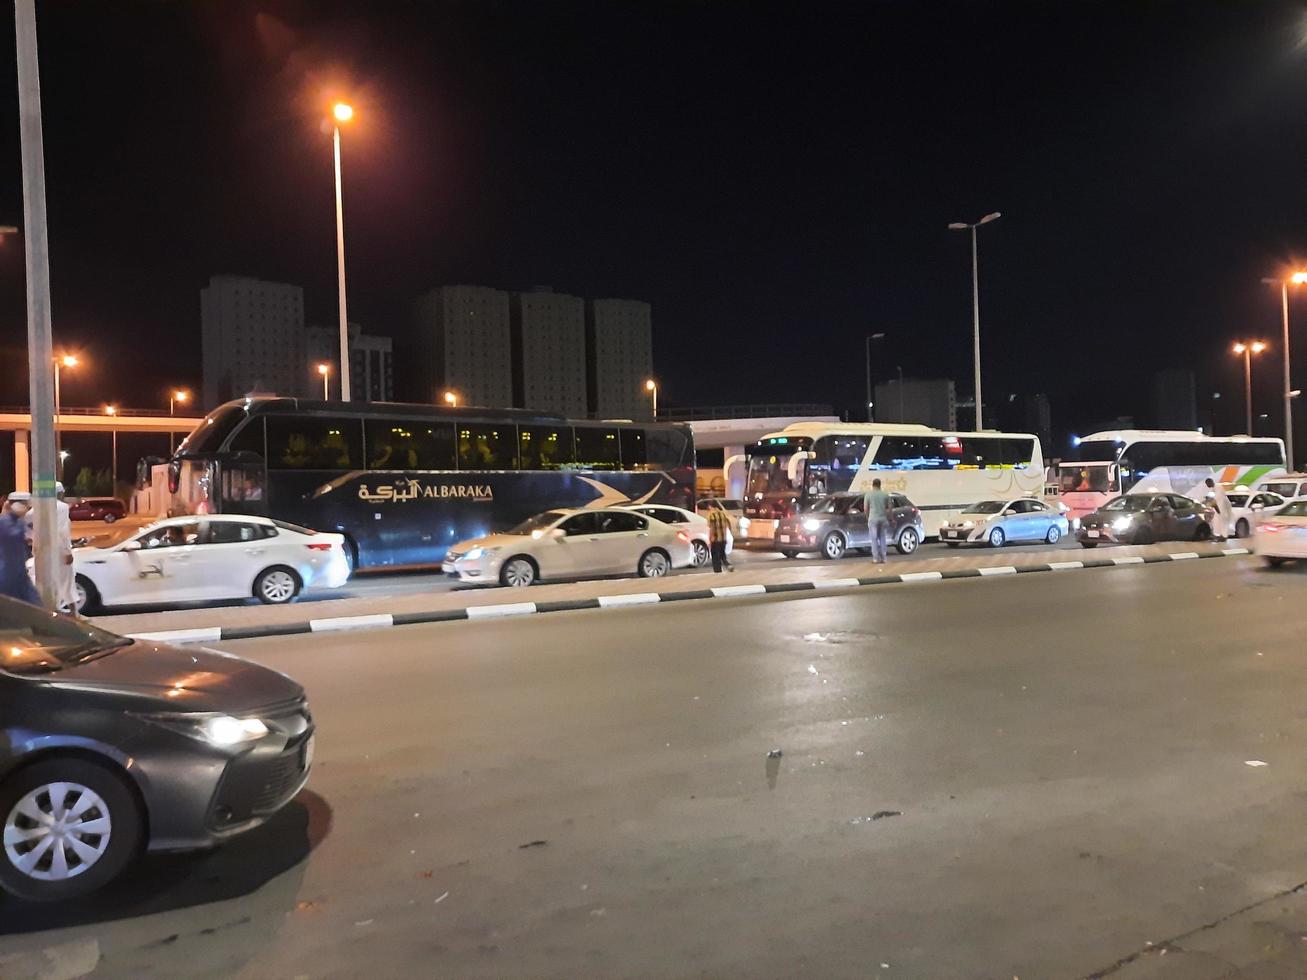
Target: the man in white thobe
(1223, 519)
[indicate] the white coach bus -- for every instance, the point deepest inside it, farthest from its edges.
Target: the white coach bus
(940, 472)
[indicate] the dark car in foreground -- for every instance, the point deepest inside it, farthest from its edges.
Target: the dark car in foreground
(111, 746)
(839, 522)
(107, 509)
(1142, 518)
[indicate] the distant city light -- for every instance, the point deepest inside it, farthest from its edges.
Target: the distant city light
(111, 410)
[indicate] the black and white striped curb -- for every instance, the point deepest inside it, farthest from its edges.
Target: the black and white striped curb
(216, 634)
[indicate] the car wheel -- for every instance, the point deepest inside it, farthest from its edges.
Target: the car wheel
(70, 826)
(833, 545)
(1241, 528)
(1143, 536)
(518, 573)
(701, 554)
(997, 538)
(1274, 561)
(110, 518)
(88, 596)
(1089, 544)
(654, 563)
(790, 554)
(908, 541)
(1203, 532)
(276, 586)
(1054, 534)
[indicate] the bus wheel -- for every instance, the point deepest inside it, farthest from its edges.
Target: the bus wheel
(833, 546)
(1241, 529)
(276, 586)
(518, 573)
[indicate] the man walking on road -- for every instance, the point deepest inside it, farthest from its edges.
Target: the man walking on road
(876, 503)
(719, 532)
(1219, 502)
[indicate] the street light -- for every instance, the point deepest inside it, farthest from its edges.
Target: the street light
(60, 362)
(651, 386)
(324, 369)
(875, 336)
(1297, 278)
(178, 395)
(451, 399)
(343, 113)
(1248, 350)
(975, 296)
(112, 410)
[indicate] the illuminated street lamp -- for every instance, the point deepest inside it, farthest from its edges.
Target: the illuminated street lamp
(324, 369)
(1297, 279)
(60, 362)
(113, 480)
(651, 386)
(451, 399)
(1248, 350)
(343, 113)
(176, 397)
(975, 296)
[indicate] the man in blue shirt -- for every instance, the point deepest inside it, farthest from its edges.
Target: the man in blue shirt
(13, 550)
(876, 502)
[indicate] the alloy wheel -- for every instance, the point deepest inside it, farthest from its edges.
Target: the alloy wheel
(654, 564)
(57, 831)
(277, 585)
(908, 541)
(1054, 534)
(519, 573)
(834, 546)
(701, 554)
(997, 538)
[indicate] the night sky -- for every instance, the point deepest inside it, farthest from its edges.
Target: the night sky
(775, 179)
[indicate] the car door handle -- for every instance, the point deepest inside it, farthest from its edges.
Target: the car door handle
(643, 534)
(254, 551)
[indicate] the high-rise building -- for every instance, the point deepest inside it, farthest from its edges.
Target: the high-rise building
(1175, 402)
(929, 401)
(371, 363)
(619, 334)
(549, 365)
(252, 338)
(464, 345)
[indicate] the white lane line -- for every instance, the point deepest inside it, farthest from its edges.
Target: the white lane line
(369, 621)
(501, 609)
(204, 634)
(1131, 560)
(998, 570)
(634, 599)
(731, 590)
(837, 583)
(1182, 555)
(1058, 565)
(920, 576)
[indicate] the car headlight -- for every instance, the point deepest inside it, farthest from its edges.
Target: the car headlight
(220, 730)
(968, 523)
(811, 524)
(474, 554)
(1122, 523)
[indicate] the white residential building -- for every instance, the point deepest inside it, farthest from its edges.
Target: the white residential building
(549, 352)
(252, 338)
(620, 341)
(464, 345)
(371, 364)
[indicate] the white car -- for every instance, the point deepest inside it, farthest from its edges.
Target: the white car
(216, 556)
(695, 525)
(997, 522)
(1284, 536)
(1249, 507)
(570, 544)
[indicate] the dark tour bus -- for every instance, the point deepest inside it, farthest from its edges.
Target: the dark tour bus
(404, 482)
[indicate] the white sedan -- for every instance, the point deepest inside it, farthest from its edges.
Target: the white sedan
(1283, 537)
(996, 522)
(190, 559)
(695, 525)
(570, 544)
(1249, 507)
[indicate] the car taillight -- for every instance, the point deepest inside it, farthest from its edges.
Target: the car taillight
(683, 536)
(1272, 527)
(319, 547)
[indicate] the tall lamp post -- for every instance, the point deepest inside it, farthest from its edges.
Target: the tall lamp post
(64, 361)
(651, 386)
(343, 113)
(1248, 350)
(975, 296)
(871, 415)
(112, 410)
(324, 369)
(175, 396)
(1297, 278)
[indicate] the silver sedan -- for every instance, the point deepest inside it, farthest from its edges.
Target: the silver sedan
(996, 522)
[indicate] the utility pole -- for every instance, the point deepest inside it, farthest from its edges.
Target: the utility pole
(40, 348)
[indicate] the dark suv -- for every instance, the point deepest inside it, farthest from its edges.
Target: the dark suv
(838, 522)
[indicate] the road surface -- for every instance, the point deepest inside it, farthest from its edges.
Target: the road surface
(1032, 777)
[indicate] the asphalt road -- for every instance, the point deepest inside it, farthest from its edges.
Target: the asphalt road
(1032, 777)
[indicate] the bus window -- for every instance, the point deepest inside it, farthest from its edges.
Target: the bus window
(669, 449)
(307, 442)
(249, 438)
(635, 454)
(597, 449)
(914, 453)
(409, 444)
(545, 447)
(487, 446)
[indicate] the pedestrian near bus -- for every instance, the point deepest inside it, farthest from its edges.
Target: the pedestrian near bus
(14, 581)
(1223, 518)
(719, 533)
(876, 503)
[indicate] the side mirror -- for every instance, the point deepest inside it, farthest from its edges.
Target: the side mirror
(557, 533)
(133, 545)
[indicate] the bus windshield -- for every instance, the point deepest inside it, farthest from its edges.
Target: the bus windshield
(1082, 477)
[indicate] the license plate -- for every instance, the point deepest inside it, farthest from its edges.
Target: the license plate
(307, 760)
(785, 539)
(949, 534)
(1091, 534)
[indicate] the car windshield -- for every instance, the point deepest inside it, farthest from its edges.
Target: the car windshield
(1129, 502)
(1289, 489)
(537, 523)
(1296, 509)
(37, 641)
(1237, 499)
(986, 507)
